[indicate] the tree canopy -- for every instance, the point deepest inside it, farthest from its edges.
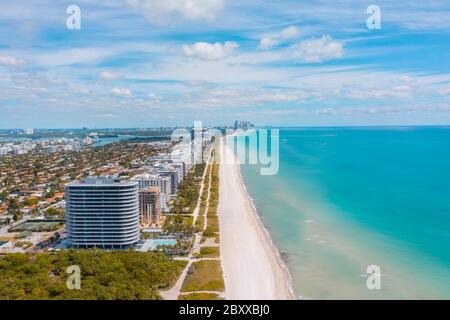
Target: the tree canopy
(105, 275)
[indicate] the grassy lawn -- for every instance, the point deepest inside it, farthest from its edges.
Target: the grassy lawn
(199, 296)
(209, 252)
(213, 226)
(215, 237)
(204, 276)
(213, 222)
(210, 232)
(199, 223)
(212, 210)
(188, 219)
(202, 207)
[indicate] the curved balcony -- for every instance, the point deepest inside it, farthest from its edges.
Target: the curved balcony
(97, 237)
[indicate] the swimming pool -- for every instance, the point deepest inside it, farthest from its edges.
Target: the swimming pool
(162, 242)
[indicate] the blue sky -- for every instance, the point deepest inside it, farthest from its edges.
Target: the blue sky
(145, 63)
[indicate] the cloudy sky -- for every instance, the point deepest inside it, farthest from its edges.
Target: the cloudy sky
(145, 63)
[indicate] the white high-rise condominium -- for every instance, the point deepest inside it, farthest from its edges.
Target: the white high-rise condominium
(146, 180)
(181, 168)
(164, 169)
(102, 212)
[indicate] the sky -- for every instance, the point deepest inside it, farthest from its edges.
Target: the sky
(151, 63)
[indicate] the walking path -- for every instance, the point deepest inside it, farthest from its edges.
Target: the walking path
(205, 214)
(175, 291)
(199, 200)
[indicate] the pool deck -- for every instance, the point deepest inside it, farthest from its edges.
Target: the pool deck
(150, 244)
(146, 246)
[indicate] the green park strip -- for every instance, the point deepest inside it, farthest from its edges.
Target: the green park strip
(205, 275)
(209, 252)
(200, 296)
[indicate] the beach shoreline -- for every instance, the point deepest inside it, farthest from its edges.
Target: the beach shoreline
(252, 266)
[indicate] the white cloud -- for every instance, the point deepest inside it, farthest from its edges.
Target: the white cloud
(11, 61)
(109, 75)
(209, 51)
(36, 82)
(234, 97)
(157, 10)
(284, 35)
(289, 33)
(123, 92)
(72, 56)
(406, 78)
(318, 50)
(400, 92)
(154, 97)
(445, 90)
(104, 115)
(267, 43)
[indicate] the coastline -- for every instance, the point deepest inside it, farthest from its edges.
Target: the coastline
(268, 238)
(252, 266)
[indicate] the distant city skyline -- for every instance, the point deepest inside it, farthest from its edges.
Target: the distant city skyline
(158, 63)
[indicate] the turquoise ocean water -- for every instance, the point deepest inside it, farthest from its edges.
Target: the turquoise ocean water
(348, 198)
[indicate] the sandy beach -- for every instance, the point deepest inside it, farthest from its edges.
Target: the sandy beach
(252, 267)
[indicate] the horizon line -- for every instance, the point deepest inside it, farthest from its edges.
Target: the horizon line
(224, 126)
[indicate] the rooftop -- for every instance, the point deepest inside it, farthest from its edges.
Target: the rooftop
(151, 189)
(148, 175)
(102, 180)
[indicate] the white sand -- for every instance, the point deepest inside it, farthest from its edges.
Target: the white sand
(251, 265)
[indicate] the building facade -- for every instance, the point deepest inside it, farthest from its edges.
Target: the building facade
(164, 184)
(146, 180)
(149, 205)
(173, 175)
(103, 213)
